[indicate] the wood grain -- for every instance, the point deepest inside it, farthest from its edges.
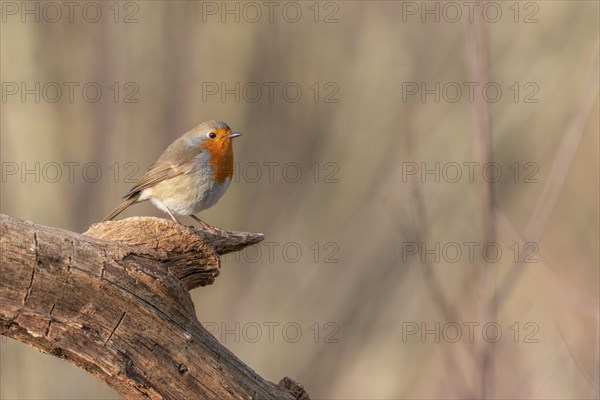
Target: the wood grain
(115, 301)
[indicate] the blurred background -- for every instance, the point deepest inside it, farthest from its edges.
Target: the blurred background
(425, 174)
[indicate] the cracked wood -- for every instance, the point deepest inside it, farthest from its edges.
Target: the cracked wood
(115, 301)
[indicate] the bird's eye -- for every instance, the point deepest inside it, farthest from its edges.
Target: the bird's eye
(212, 135)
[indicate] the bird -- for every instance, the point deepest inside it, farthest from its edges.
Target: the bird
(191, 175)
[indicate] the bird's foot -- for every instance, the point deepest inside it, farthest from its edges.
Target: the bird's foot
(204, 224)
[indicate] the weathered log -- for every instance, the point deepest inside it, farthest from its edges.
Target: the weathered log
(115, 301)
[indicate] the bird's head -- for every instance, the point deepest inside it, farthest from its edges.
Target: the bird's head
(215, 138)
(213, 135)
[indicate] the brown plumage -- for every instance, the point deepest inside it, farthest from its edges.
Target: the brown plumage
(190, 175)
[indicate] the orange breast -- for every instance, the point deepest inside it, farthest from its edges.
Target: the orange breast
(221, 156)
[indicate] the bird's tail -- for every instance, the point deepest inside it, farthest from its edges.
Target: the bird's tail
(121, 207)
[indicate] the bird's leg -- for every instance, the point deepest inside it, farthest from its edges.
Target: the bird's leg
(204, 224)
(172, 216)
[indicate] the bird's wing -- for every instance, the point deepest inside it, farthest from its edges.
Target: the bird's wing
(177, 159)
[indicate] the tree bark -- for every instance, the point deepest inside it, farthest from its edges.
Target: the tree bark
(115, 301)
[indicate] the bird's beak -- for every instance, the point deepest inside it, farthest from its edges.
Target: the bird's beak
(233, 134)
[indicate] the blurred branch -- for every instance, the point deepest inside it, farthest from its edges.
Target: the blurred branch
(556, 179)
(569, 294)
(120, 309)
(557, 176)
(478, 71)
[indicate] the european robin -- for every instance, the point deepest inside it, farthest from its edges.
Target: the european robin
(191, 175)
